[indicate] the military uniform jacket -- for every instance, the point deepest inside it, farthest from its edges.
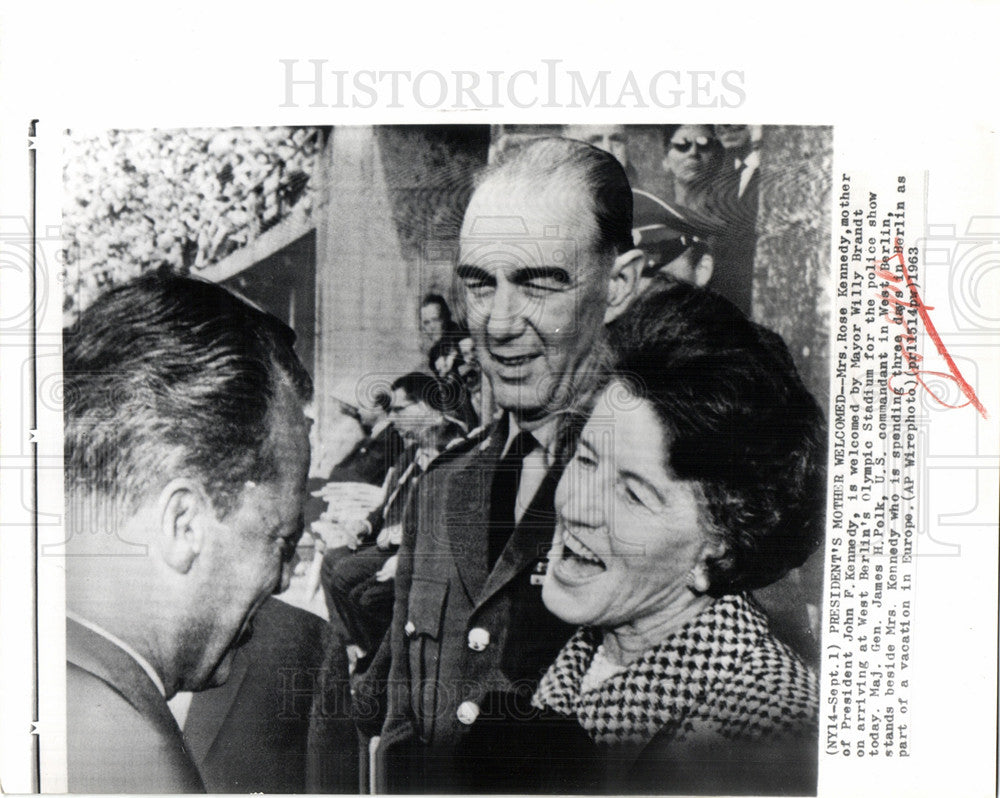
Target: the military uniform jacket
(459, 629)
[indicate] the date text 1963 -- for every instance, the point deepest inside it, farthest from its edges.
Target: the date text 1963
(900, 291)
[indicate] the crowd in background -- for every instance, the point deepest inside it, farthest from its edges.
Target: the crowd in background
(407, 427)
(177, 198)
(545, 550)
(704, 234)
(704, 230)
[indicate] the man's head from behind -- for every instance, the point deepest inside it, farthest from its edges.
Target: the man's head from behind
(186, 444)
(546, 259)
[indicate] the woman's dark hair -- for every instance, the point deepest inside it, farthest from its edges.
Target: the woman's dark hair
(738, 421)
(442, 304)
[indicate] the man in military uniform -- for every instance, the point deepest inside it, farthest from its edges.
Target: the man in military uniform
(546, 260)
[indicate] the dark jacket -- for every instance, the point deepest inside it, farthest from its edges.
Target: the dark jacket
(430, 688)
(734, 249)
(370, 459)
(280, 723)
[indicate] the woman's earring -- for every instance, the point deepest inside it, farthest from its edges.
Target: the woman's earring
(697, 579)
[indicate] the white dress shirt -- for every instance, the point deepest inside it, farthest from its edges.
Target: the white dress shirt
(535, 465)
(143, 662)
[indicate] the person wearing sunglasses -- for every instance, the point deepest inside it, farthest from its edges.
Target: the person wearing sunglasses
(694, 157)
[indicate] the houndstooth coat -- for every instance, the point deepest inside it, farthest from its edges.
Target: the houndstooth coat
(722, 705)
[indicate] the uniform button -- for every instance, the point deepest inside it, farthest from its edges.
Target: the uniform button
(479, 639)
(409, 628)
(467, 713)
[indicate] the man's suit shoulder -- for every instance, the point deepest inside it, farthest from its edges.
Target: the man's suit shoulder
(114, 747)
(464, 446)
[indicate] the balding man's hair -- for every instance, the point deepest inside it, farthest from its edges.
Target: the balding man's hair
(540, 161)
(170, 376)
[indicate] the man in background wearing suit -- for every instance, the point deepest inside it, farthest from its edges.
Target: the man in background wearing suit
(735, 202)
(546, 259)
(186, 453)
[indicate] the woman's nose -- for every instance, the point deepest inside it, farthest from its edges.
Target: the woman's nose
(582, 499)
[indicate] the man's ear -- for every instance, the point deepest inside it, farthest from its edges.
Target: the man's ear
(184, 509)
(623, 283)
(704, 269)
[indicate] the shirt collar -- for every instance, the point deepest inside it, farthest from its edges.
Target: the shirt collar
(751, 161)
(143, 662)
(543, 433)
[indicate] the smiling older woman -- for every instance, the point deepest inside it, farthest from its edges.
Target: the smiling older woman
(697, 477)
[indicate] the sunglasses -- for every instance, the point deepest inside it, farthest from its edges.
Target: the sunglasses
(667, 252)
(701, 143)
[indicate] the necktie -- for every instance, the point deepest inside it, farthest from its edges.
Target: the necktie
(503, 495)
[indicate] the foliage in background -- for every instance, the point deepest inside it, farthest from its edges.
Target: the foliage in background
(176, 199)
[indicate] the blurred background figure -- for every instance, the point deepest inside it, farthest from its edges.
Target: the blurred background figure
(674, 239)
(610, 138)
(613, 139)
(458, 380)
(735, 201)
(371, 457)
(357, 575)
(742, 155)
(416, 408)
(333, 441)
(694, 157)
(435, 320)
(366, 462)
(471, 374)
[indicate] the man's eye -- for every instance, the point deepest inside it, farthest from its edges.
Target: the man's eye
(479, 288)
(548, 283)
(632, 496)
(586, 461)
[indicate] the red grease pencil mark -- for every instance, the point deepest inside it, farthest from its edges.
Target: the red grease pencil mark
(891, 292)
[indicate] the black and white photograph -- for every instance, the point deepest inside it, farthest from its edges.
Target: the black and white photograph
(445, 458)
(525, 398)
